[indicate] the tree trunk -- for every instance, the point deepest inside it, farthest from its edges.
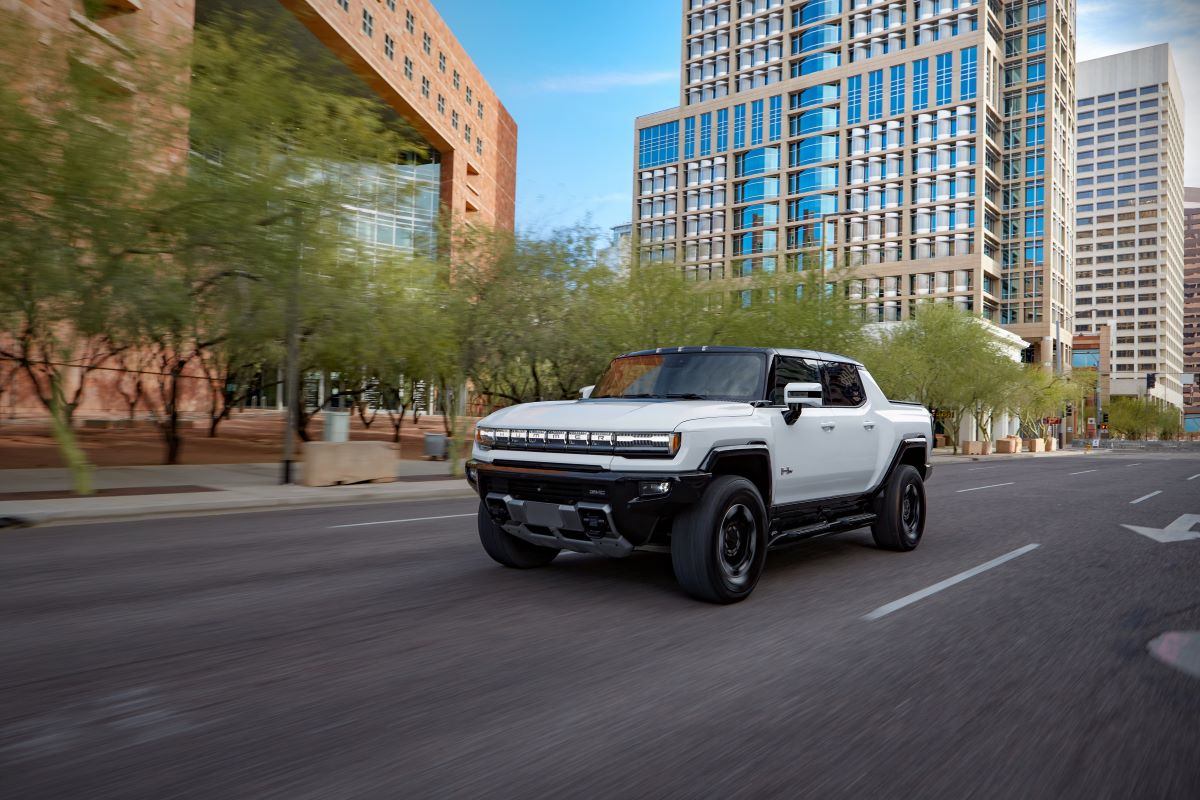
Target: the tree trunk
(68, 445)
(171, 424)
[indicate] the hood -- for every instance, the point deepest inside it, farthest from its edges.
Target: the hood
(612, 415)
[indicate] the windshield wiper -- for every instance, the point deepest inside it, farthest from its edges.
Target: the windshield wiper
(686, 396)
(637, 396)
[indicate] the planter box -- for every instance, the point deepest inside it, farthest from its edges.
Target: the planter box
(1035, 445)
(987, 448)
(939, 440)
(331, 463)
(1051, 444)
(1008, 446)
(971, 448)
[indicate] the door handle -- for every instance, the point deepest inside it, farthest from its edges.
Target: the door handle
(869, 425)
(828, 426)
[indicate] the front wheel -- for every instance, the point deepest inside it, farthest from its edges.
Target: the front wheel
(900, 511)
(719, 545)
(507, 549)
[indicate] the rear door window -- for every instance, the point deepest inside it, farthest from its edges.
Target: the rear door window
(843, 387)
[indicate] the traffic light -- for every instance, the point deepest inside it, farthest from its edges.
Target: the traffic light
(1105, 420)
(1149, 381)
(1070, 410)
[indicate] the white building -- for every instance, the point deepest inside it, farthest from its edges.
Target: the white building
(1129, 216)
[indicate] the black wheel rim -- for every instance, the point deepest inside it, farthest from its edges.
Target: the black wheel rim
(737, 544)
(910, 512)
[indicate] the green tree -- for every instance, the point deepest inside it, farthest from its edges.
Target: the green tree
(945, 359)
(78, 156)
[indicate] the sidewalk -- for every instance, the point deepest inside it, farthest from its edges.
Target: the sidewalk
(946, 455)
(42, 496)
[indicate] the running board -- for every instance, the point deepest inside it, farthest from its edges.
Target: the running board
(820, 529)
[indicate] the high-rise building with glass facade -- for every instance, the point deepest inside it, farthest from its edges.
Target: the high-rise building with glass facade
(926, 144)
(1129, 217)
(1191, 308)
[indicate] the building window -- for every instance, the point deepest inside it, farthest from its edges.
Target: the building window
(706, 134)
(454, 120)
(875, 94)
(427, 44)
(345, 4)
(966, 74)
(897, 105)
(739, 126)
(467, 133)
(722, 130)
(389, 47)
(756, 122)
(689, 137)
(945, 78)
(408, 68)
(479, 146)
(442, 63)
(441, 104)
(479, 109)
(1037, 44)
(425, 86)
(854, 100)
(468, 95)
(391, 4)
(455, 79)
(410, 24)
(658, 145)
(368, 23)
(920, 84)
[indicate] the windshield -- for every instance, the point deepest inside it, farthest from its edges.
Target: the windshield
(686, 376)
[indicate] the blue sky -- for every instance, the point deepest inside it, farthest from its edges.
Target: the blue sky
(575, 74)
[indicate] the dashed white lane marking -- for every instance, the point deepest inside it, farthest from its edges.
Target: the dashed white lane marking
(1144, 497)
(398, 521)
(1197, 475)
(908, 600)
(1081, 472)
(1138, 464)
(990, 486)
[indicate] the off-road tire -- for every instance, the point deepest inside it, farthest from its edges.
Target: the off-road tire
(719, 545)
(507, 549)
(900, 511)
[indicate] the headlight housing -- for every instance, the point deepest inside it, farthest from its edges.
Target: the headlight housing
(628, 445)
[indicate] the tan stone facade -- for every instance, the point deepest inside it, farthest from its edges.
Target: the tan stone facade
(927, 144)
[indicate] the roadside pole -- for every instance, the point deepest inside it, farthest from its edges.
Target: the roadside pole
(292, 389)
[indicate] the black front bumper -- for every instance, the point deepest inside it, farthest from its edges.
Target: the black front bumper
(637, 519)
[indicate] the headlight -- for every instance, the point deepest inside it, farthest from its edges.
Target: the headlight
(635, 445)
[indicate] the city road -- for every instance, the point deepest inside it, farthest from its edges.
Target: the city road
(375, 651)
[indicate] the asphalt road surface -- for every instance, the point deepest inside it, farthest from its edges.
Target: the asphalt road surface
(305, 654)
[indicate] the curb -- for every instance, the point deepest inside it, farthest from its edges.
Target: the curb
(229, 506)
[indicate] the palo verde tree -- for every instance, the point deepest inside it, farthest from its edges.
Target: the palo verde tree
(79, 154)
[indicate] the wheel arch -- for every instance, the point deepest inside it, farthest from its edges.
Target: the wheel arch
(752, 462)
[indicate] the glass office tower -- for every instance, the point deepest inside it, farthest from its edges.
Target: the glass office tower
(927, 145)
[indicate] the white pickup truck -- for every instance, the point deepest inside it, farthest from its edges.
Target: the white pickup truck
(715, 454)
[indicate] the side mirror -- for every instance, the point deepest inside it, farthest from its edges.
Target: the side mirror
(586, 391)
(798, 395)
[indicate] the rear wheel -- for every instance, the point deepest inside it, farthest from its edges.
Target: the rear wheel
(507, 549)
(900, 511)
(719, 545)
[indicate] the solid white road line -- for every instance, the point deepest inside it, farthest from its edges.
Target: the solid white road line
(1146, 497)
(990, 486)
(1081, 472)
(397, 521)
(883, 611)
